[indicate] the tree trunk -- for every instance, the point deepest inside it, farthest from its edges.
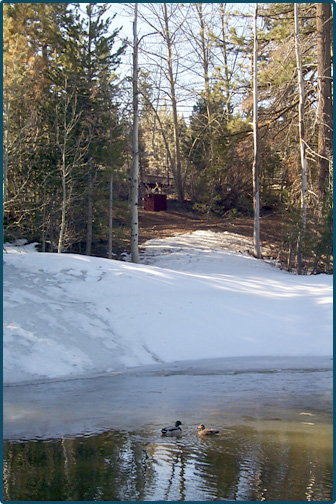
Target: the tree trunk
(255, 168)
(178, 181)
(88, 247)
(226, 66)
(64, 202)
(68, 121)
(301, 124)
(89, 216)
(303, 223)
(6, 154)
(324, 82)
(170, 160)
(135, 166)
(205, 57)
(6, 117)
(44, 216)
(110, 218)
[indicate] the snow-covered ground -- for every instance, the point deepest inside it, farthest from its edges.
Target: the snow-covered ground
(189, 299)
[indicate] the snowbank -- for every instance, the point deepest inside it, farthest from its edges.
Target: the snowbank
(189, 299)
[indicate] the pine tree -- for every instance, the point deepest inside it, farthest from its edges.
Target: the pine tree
(97, 65)
(56, 82)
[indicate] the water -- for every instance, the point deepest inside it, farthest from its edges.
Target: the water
(99, 438)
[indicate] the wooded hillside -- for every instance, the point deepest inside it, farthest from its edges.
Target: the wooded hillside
(67, 143)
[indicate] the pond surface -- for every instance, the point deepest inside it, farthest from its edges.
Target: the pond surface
(99, 438)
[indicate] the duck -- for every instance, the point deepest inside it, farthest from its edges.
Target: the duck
(202, 431)
(173, 430)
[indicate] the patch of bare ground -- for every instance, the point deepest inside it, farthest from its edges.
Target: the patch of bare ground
(181, 221)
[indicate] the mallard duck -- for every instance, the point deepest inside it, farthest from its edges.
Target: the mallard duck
(202, 431)
(172, 431)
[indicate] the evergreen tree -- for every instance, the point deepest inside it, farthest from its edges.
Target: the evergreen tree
(97, 93)
(62, 130)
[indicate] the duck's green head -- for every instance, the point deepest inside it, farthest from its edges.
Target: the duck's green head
(178, 423)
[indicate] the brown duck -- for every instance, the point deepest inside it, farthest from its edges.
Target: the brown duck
(202, 431)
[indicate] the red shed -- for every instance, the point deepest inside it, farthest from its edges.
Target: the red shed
(155, 202)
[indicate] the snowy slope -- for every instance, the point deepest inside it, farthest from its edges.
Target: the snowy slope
(70, 315)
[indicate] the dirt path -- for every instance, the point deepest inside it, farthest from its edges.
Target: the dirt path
(173, 222)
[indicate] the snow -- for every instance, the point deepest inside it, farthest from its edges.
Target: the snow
(189, 299)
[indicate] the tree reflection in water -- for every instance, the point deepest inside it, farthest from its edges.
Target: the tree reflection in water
(242, 463)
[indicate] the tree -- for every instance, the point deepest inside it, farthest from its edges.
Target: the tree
(162, 19)
(98, 60)
(324, 83)
(60, 81)
(223, 44)
(301, 118)
(205, 51)
(301, 134)
(70, 149)
(169, 41)
(110, 240)
(135, 134)
(255, 169)
(38, 29)
(62, 84)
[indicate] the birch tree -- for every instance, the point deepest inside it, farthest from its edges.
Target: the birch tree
(135, 142)
(110, 218)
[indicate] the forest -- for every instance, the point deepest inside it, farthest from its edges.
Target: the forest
(235, 119)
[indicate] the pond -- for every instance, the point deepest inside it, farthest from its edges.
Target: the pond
(99, 438)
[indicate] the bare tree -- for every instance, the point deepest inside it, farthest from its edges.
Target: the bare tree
(135, 164)
(169, 42)
(324, 83)
(205, 46)
(71, 151)
(110, 218)
(163, 20)
(301, 118)
(6, 116)
(15, 68)
(301, 135)
(89, 212)
(227, 83)
(255, 168)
